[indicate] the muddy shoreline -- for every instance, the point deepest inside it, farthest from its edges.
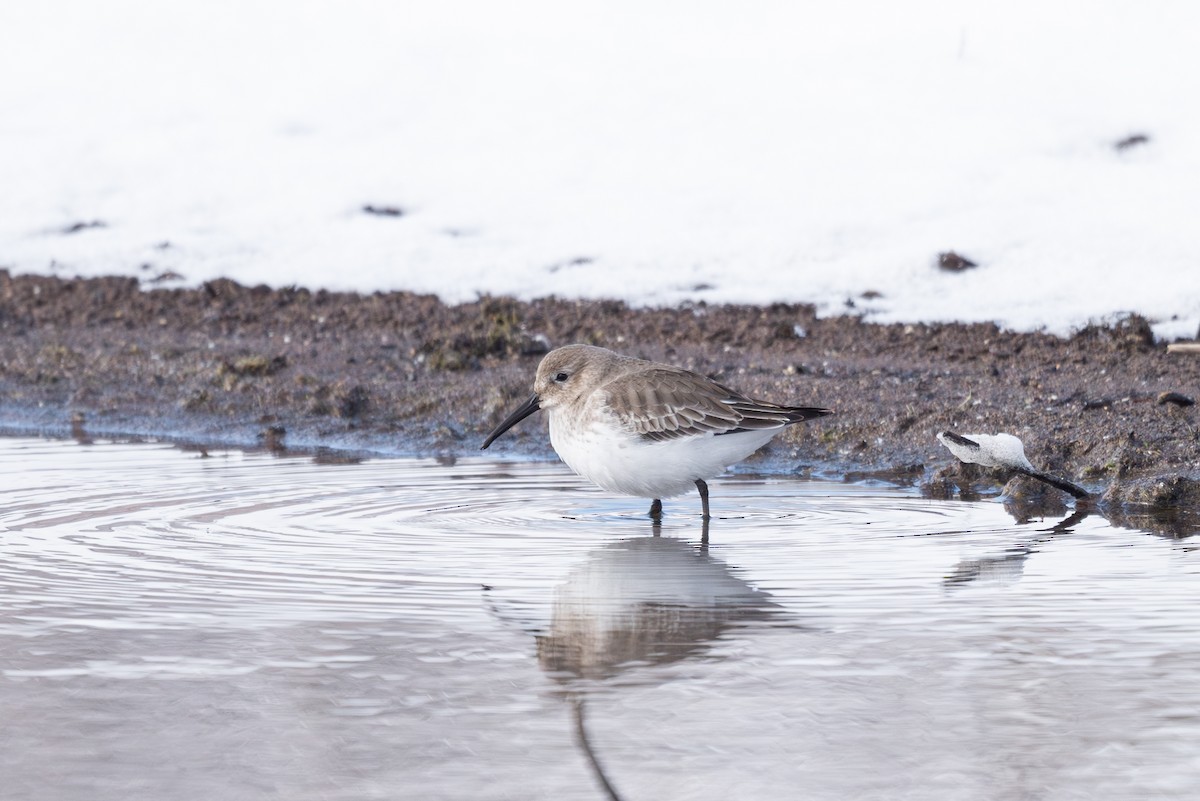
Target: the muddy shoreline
(404, 374)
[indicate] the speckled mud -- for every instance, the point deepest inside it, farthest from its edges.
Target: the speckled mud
(399, 373)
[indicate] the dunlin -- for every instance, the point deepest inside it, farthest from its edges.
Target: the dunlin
(643, 428)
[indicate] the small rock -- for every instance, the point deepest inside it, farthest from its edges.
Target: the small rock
(947, 480)
(1027, 498)
(578, 261)
(253, 366)
(272, 438)
(953, 262)
(1175, 398)
(1127, 332)
(1163, 493)
(84, 225)
(384, 211)
(354, 402)
(1133, 140)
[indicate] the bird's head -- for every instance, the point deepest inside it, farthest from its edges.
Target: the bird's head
(564, 374)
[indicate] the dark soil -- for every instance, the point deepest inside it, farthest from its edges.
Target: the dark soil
(399, 373)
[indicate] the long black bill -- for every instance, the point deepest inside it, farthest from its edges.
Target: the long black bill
(527, 408)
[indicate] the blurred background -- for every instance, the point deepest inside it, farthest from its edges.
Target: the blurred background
(832, 153)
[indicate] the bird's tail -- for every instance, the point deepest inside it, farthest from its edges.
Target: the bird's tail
(796, 414)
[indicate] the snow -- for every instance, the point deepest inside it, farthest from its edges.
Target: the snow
(655, 152)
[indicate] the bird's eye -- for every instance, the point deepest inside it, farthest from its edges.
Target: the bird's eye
(561, 377)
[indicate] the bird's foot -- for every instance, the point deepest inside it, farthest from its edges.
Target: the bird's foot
(656, 510)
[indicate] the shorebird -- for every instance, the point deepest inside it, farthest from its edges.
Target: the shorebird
(1004, 451)
(646, 429)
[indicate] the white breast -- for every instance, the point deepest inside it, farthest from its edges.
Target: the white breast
(597, 448)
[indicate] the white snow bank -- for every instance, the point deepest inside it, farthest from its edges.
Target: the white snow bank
(774, 151)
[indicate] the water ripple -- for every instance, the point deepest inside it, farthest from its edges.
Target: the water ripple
(312, 604)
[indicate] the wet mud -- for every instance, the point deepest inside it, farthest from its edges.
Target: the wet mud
(401, 373)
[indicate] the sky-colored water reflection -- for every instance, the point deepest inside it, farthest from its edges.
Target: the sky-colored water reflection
(244, 626)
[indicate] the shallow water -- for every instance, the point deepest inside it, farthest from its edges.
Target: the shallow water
(243, 626)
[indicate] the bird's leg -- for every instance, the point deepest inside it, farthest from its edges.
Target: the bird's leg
(656, 510)
(700, 485)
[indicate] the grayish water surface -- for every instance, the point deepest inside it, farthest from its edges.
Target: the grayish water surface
(243, 626)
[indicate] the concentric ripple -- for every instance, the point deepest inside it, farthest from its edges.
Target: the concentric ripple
(194, 624)
(130, 534)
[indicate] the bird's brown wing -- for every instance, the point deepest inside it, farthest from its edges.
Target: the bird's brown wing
(662, 404)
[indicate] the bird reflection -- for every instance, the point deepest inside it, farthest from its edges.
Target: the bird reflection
(645, 600)
(1009, 566)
